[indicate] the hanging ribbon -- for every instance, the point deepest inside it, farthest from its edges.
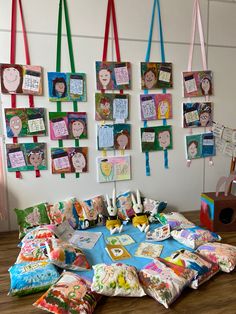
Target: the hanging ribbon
(197, 19)
(156, 4)
(12, 61)
(63, 3)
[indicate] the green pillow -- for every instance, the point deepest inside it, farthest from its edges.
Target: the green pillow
(31, 217)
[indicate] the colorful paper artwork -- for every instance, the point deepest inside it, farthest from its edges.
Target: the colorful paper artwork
(113, 136)
(27, 156)
(21, 122)
(156, 106)
(198, 114)
(69, 159)
(67, 86)
(156, 75)
(113, 75)
(111, 107)
(21, 79)
(200, 145)
(198, 83)
(156, 138)
(68, 125)
(115, 168)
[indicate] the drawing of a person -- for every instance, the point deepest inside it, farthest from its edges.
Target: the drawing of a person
(192, 149)
(35, 158)
(122, 139)
(15, 125)
(105, 107)
(205, 115)
(78, 161)
(77, 128)
(150, 78)
(104, 76)
(59, 88)
(163, 109)
(107, 169)
(164, 139)
(11, 79)
(205, 85)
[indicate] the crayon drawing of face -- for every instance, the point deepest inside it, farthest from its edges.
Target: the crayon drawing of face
(122, 140)
(205, 85)
(106, 168)
(192, 149)
(35, 158)
(59, 87)
(164, 139)
(163, 109)
(11, 79)
(104, 76)
(78, 161)
(204, 118)
(150, 78)
(77, 128)
(105, 107)
(15, 125)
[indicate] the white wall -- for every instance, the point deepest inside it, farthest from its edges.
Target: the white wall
(179, 185)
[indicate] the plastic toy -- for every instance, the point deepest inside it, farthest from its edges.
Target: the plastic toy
(140, 220)
(113, 223)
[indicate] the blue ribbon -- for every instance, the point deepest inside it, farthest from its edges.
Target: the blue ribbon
(156, 3)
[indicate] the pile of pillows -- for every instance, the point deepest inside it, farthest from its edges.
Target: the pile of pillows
(47, 263)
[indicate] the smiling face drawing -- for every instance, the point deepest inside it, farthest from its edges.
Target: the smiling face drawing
(77, 128)
(15, 125)
(11, 79)
(192, 149)
(36, 159)
(104, 76)
(79, 162)
(163, 109)
(106, 167)
(164, 139)
(122, 141)
(150, 78)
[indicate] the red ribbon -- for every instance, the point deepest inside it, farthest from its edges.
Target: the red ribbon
(13, 57)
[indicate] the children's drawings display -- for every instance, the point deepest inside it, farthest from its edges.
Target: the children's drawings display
(68, 125)
(21, 122)
(225, 139)
(21, 79)
(156, 138)
(27, 156)
(198, 114)
(197, 83)
(67, 86)
(156, 75)
(69, 159)
(113, 75)
(113, 136)
(156, 106)
(111, 107)
(113, 168)
(200, 145)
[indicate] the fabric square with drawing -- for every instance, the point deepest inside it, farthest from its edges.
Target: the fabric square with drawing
(69, 159)
(113, 75)
(21, 79)
(115, 168)
(156, 138)
(68, 125)
(197, 83)
(67, 86)
(198, 114)
(156, 75)
(21, 122)
(156, 106)
(26, 157)
(200, 145)
(111, 107)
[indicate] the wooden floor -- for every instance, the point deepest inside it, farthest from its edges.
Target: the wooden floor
(217, 296)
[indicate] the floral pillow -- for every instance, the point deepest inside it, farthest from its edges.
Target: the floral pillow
(27, 278)
(31, 217)
(205, 269)
(194, 237)
(31, 251)
(61, 211)
(66, 256)
(220, 253)
(175, 220)
(116, 280)
(164, 281)
(70, 294)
